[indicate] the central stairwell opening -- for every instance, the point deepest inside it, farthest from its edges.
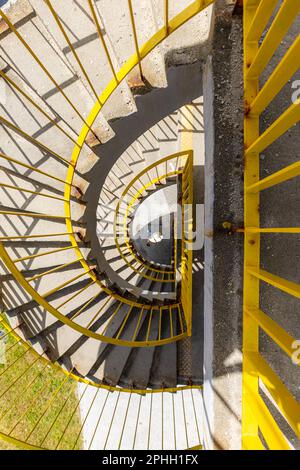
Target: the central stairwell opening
(148, 290)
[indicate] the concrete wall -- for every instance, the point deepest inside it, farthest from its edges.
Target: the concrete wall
(223, 115)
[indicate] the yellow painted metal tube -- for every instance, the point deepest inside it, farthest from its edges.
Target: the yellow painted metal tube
(167, 16)
(61, 286)
(92, 299)
(271, 230)
(17, 188)
(280, 26)
(39, 255)
(269, 428)
(18, 442)
(31, 139)
(33, 215)
(98, 312)
(285, 70)
(124, 322)
(252, 443)
(83, 289)
(285, 401)
(44, 235)
(276, 332)
(53, 270)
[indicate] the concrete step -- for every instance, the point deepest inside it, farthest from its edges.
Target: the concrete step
(98, 370)
(119, 177)
(15, 300)
(191, 41)
(56, 337)
(116, 420)
(30, 112)
(145, 283)
(86, 352)
(135, 161)
(83, 353)
(159, 142)
(164, 365)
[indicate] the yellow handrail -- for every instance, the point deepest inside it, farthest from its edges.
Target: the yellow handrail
(177, 157)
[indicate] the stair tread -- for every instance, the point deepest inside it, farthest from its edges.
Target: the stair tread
(116, 12)
(85, 41)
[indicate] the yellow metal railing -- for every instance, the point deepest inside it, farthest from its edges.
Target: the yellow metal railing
(260, 427)
(142, 52)
(39, 403)
(179, 164)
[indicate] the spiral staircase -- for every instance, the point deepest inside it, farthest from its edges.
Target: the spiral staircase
(102, 139)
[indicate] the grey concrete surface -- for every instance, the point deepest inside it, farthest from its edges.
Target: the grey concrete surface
(155, 216)
(138, 422)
